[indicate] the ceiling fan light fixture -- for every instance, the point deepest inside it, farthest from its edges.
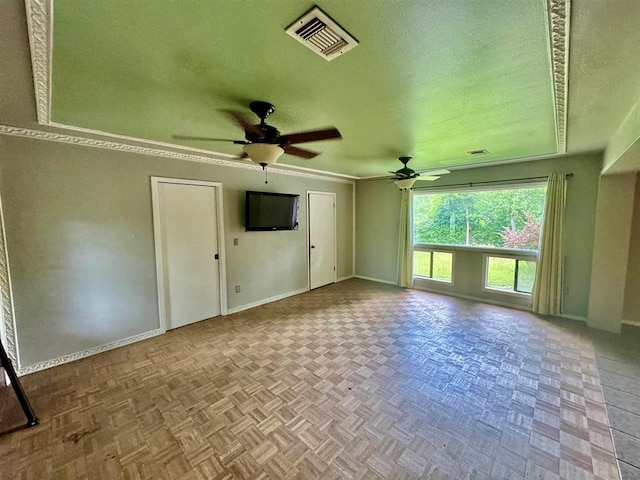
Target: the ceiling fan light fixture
(405, 183)
(263, 153)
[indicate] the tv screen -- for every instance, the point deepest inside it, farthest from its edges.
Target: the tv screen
(271, 211)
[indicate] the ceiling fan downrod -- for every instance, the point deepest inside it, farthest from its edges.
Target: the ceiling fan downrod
(405, 160)
(262, 110)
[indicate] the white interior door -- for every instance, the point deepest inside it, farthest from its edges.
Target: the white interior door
(322, 238)
(189, 237)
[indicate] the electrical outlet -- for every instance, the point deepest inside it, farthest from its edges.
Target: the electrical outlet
(235, 242)
(237, 288)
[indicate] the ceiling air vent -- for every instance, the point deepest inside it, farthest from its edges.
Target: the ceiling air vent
(320, 33)
(478, 153)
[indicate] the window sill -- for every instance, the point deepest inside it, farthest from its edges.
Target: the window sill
(473, 248)
(429, 279)
(506, 292)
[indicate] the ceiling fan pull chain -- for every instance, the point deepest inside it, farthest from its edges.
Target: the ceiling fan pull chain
(266, 179)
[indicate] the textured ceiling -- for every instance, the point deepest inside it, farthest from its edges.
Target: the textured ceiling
(432, 79)
(604, 70)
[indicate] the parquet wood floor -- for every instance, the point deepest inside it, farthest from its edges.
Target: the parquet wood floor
(356, 380)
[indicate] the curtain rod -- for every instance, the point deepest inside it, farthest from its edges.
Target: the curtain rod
(471, 184)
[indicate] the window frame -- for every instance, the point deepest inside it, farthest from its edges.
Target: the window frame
(422, 247)
(486, 250)
(527, 256)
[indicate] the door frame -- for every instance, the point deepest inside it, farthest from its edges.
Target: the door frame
(158, 246)
(335, 235)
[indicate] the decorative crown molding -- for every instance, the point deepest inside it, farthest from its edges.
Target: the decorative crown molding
(8, 318)
(559, 21)
(156, 152)
(39, 23)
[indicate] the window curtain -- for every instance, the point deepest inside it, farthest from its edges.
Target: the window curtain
(405, 243)
(546, 297)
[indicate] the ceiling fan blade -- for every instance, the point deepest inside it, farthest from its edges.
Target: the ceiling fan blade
(429, 178)
(243, 121)
(442, 171)
(299, 152)
(311, 136)
(208, 139)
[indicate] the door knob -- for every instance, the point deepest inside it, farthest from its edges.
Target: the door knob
(313, 246)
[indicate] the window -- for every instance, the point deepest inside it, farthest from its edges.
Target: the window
(433, 264)
(499, 218)
(500, 223)
(510, 274)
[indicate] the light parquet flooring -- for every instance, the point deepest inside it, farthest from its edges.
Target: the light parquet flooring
(356, 380)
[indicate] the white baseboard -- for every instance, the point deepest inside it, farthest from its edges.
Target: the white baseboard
(475, 299)
(498, 303)
(275, 298)
(630, 322)
(572, 317)
(136, 338)
(87, 353)
(376, 280)
(342, 279)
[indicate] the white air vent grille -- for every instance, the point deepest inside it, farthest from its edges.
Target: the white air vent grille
(320, 33)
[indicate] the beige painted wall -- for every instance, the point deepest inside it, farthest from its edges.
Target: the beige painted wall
(80, 241)
(611, 251)
(631, 310)
(377, 223)
(378, 206)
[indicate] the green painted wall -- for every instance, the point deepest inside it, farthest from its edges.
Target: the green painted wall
(80, 239)
(378, 206)
(631, 310)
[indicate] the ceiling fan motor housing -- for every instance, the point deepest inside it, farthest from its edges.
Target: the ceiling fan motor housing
(268, 134)
(405, 171)
(262, 109)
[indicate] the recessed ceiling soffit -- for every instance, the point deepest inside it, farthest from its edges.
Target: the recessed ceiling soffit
(40, 27)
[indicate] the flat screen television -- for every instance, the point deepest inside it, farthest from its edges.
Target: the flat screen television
(271, 211)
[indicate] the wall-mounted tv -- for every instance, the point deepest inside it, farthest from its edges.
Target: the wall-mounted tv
(271, 211)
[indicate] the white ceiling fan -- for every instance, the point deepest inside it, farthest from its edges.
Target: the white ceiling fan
(406, 177)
